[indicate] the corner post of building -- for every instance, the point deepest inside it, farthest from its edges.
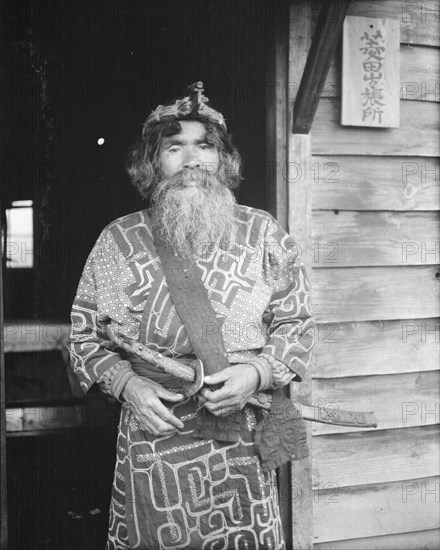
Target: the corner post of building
(311, 49)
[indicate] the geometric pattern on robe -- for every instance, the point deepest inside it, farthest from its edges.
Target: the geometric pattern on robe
(260, 295)
(184, 493)
(257, 287)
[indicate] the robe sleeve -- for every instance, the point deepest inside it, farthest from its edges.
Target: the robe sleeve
(90, 348)
(288, 317)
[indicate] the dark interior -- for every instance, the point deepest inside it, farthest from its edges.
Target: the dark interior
(78, 71)
(74, 71)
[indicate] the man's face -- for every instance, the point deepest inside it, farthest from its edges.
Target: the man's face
(188, 149)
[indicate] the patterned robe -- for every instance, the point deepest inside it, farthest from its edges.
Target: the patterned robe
(178, 491)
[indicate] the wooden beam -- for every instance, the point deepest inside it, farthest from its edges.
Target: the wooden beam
(322, 49)
(277, 115)
(276, 166)
(299, 192)
(300, 218)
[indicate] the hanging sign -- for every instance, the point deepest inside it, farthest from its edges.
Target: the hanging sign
(370, 72)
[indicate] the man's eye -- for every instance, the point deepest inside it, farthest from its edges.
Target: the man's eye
(173, 150)
(205, 146)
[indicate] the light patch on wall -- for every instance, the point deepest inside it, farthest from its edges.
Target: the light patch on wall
(20, 235)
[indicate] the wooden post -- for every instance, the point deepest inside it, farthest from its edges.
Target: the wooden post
(299, 222)
(299, 197)
(277, 112)
(276, 115)
(307, 66)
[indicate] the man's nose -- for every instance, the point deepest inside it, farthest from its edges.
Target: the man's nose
(191, 160)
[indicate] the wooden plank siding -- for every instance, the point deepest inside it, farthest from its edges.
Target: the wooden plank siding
(419, 21)
(375, 282)
(367, 238)
(376, 347)
(381, 509)
(399, 541)
(399, 400)
(350, 459)
(375, 293)
(418, 134)
(375, 183)
(419, 75)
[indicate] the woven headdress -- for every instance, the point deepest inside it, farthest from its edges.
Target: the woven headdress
(195, 103)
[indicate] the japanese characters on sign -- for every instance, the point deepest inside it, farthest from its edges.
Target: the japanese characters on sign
(370, 69)
(373, 96)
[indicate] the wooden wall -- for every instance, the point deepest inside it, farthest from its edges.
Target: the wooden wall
(375, 280)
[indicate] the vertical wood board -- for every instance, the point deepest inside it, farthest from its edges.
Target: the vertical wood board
(300, 204)
(276, 117)
(299, 220)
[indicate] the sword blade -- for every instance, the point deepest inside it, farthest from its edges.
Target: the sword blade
(192, 381)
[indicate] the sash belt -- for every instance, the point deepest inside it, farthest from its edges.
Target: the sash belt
(281, 436)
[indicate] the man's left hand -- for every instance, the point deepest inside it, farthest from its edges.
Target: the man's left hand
(240, 382)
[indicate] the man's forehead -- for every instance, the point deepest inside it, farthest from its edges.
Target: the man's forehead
(190, 130)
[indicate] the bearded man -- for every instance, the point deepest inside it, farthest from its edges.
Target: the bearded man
(194, 471)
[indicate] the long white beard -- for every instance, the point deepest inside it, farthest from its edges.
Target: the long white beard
(193, 212)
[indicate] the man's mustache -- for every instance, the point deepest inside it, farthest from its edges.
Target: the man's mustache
(189, 176)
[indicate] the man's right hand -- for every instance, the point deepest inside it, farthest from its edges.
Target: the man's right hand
(144, 398)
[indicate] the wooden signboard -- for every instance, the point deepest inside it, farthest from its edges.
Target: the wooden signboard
(370, 72)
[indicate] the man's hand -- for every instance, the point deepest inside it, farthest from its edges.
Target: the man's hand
(240, 382)
(282, 375)
(144, 398)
